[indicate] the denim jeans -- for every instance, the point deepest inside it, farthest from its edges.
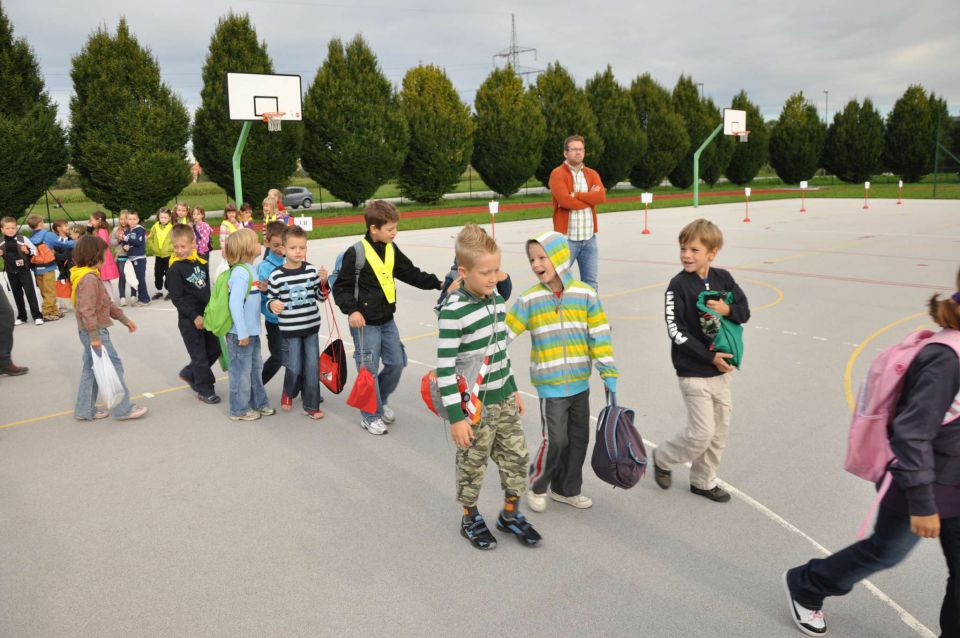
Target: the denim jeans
(246, 386)
(86, 405)
(586, 254)
(380, 343)
(303, 369)
(890, 543)
(140, 268)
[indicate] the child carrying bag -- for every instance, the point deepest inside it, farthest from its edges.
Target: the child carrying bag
(619, 456)
(216, 316)
(333, 359)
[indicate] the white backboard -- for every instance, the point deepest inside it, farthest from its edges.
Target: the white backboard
(250, 95)
(734, 121)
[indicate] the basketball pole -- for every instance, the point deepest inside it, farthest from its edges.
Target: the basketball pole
(237, 154)
(696, 165)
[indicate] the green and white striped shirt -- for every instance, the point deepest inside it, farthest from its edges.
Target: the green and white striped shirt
(580, 224)
(467, 323)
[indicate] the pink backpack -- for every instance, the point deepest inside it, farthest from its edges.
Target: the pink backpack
(868, 442)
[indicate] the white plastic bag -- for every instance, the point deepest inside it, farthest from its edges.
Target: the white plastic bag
(109, 385)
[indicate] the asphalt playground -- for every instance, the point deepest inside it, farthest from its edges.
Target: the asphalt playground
(189, 524)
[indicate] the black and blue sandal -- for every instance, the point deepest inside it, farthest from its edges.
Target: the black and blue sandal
(476, 531)
(519, 527)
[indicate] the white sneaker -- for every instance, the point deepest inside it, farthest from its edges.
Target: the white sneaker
(536, 502)
(18, 322)
(377, 426)
(389, 416)
(579, 501)
(38, 322)
(809, 621)
(123, 301)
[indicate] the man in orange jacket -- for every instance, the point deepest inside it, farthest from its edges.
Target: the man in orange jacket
(577, 190)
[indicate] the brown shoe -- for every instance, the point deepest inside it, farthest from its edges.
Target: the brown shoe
(13, 370)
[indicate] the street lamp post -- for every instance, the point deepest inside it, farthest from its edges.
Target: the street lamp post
(826, 106)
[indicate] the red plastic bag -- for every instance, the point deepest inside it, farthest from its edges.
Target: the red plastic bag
(363, 396)
(333, 359)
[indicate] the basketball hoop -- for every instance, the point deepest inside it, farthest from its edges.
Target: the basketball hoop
(273, 119)
(743, 135)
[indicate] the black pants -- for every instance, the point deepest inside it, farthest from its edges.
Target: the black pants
(565, 423)
(204, 350)
(6, 330)
(275, 344)
(160, 265)
(21, 283)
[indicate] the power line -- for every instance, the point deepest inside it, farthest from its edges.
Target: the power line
(512, 53)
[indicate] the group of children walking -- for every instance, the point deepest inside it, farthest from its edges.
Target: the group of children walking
(475, 380)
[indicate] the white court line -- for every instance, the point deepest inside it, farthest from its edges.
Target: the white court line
(908, 619)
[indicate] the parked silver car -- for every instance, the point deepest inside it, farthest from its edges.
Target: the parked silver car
(296, 196)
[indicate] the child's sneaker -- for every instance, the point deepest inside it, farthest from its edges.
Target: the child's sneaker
(536, 502)
(157, 295)
(38, 322)
(519, 527)
(316, 415)
(286, 403)
(579, 501)
(809, 621)
(388, 416)
(209, 400)
(663, 478)
(252, 415)
(267, 411)
(375, 426)
(123, 302)
(476, 531)
(18, 322)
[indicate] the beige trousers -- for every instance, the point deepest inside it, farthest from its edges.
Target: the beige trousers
(708, 423)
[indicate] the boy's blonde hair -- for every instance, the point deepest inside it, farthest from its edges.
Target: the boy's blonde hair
(706, 231)
(241, 246)
(472, 243)
(34, 221)
(380, 213)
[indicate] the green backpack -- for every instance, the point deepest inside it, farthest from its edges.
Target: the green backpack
(727, 336)
(216, 316)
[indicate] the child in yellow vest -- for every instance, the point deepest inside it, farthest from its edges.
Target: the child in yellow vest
(370, 300)
(160, 243)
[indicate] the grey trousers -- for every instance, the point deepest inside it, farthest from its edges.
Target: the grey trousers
(6, 329)
(558, 464)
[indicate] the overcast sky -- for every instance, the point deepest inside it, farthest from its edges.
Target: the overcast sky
(863, 48)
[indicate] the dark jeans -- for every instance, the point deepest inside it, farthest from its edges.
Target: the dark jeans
(890, 543)
(140, 268)
(160, 266)
(277, 348)
(21, 283)
(565, 423)
(204, 350)
(6, 330)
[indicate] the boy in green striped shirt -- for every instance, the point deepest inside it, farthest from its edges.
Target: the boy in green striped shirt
(473, 344)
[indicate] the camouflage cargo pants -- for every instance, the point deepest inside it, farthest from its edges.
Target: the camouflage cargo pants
(498, 436)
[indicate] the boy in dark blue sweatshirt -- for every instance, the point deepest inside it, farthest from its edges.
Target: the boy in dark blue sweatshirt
(135, 243)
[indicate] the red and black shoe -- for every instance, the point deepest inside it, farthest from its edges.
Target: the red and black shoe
(286, 403)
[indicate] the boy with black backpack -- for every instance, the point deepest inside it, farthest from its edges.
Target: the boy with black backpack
(568, 331)
(368, 296)
(703, 372)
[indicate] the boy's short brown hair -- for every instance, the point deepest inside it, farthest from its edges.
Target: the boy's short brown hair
(472, 243)
(246, 206)
(60, 223)
(380, 213)
(7, 220)
(34, 221)
(706, 231)
(273, 229)
(293, 231)
(88, 251)
(181, 231)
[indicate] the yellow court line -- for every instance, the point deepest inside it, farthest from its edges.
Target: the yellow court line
(771, 287)
(848, 372)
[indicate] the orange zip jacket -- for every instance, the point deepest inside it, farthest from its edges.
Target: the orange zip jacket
(561, 185)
